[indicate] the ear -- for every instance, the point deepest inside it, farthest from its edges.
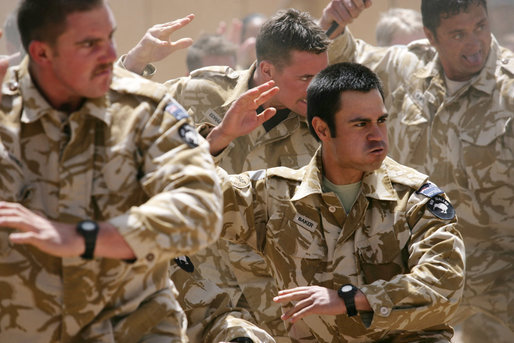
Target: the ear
(40, 52)
(321, 129)
(430, 35)
(267, 70)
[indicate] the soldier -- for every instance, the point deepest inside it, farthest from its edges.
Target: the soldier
(99, 187)
(291, 49)
(451, 101)
(358, 244)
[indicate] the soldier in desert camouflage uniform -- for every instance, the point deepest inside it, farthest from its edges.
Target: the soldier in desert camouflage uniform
(291, 49)
(352, 220)
(81, 141)
(451, 107)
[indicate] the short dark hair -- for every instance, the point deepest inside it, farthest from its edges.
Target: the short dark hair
(287, 31)
(45, 20)
(433, 10)
(209, 45)
(324, 92)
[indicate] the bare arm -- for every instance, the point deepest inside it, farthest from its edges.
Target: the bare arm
(59, 239)
(317, 300)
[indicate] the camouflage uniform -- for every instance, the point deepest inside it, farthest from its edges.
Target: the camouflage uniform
(466, 143)
(207, 94)
(408, 262)
(131, 158)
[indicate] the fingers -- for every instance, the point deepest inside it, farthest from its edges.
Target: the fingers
(300, 310)
(342, 12)
(261, 94)
(164, 31)
(182, 43)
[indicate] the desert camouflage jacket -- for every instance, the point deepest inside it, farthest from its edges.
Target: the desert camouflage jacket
(131, 158)
(207, 94)
(465, 142)
(394, 245)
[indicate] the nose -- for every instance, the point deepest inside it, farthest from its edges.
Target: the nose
(110, 54)
(376, 133)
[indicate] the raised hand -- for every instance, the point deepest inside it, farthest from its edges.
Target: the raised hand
(341, 12)
(242, 118)
(157, 44)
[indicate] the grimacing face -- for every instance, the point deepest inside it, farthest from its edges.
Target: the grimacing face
(294, 78)
(360, 142)
(83, 56)
(463, 42)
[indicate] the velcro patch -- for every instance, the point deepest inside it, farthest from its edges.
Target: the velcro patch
(429, 190)
(305, 222)
(188, 135)
(441, 208)
(176, 110)
(185, 263)
(240, 180)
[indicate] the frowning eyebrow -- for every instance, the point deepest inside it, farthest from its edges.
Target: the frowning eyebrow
(367, 120)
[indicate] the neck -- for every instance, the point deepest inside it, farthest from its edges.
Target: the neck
(336, 174)
(53, 91)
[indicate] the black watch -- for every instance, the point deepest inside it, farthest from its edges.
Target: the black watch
(89, 230)
(347, 293)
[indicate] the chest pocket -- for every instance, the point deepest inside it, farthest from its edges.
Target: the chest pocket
(380, 249)
(294, 242)
(116, 185)
(406, 124)
(487, 153)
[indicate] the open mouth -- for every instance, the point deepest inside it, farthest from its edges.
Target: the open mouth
(474, 59)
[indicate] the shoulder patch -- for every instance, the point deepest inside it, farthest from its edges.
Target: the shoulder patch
(239, 180)
(185, 263)
(189, 135)
(176, 110)
(441, 208)
(429, 190)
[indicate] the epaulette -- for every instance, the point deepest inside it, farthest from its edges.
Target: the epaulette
(422, 47)
(506, 61)
(213, 72)
(286, 173)
(126, 82)
(398, 173)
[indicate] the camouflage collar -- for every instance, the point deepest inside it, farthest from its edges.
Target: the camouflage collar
(243, 84)
(36, 106)
(376, 184)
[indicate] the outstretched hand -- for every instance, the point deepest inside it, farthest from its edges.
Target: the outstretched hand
(342, 12)
(242, 117)
(157, 44)
(53, 238)
(310, 300)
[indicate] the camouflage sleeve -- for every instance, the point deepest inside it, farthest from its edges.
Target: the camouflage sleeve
(429, 293)
(183, 212)
(211, 314)
(148, 72)
(245, 210)
(232, 327)
(392, 64)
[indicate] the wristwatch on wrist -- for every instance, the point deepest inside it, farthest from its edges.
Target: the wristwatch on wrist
(347, 293)
(89, 230)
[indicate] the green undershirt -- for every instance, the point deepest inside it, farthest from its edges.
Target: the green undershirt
(347, 194)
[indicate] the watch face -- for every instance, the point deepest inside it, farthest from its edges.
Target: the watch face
(88, 226)
(346, 288)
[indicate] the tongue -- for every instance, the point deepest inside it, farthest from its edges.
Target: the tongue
(474, 59)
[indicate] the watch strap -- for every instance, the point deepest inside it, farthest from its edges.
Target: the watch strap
(89, 237)
(349, 299)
